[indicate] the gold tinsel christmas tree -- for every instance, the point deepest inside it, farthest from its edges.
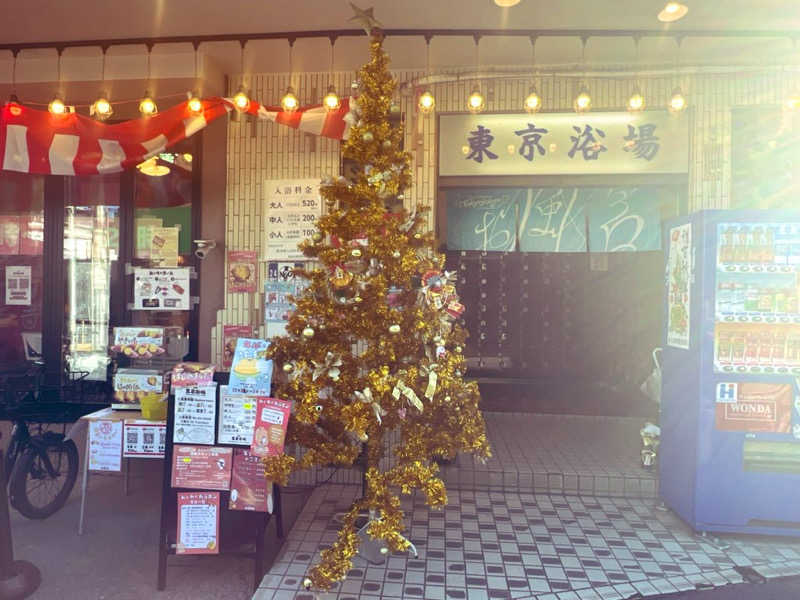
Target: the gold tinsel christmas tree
(374, 344)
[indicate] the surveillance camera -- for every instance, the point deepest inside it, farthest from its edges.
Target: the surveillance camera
(204, 247)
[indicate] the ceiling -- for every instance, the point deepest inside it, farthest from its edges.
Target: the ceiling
(44, 20)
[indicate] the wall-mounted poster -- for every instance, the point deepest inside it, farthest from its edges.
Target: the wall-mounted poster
(139, 342)
(144, 238)
(18, 285)
(242, 271)
(198, 523)
(251, 371)
(161, 289)
(195, 414)
(105, 445)
(201, 467)
(758, 407)
(231, 333)
(679, 276)
(292, 207)
(164, 245)
(9, 235)
(237, 415)
(281, 283)
(249, 488)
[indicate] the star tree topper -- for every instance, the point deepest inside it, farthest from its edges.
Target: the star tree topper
(365, 18)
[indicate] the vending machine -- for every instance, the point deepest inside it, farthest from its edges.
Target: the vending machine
(730, 414)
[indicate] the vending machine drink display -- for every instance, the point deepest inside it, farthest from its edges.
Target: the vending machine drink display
(730, 420)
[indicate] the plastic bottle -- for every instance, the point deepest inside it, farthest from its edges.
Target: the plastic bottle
(751, 299)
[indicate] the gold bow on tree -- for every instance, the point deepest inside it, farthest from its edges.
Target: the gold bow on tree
(330, 367)
(366, 398)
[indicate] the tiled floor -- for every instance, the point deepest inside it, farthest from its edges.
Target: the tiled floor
(512, 544)
(543, 453)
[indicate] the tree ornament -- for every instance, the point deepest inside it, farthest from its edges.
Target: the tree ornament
(394, 328)
(288, 368)
(317, 237)
(396, 254)
(355, 252)
(308, 332)
(367, 136)
(394, 108)
(307, 583)
(458, 349)
(387, 144)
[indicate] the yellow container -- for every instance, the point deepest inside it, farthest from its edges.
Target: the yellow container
(154, 407)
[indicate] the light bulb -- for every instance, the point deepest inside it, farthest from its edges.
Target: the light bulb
(331, 100)
(636, 101)
(583, 101)
(792, 102)
(673, 11)
(147, 106)
(14, 106)
(506, 3)
(241, 100)
(475, 102)
(101, 108)
(677, 102)
(195, 105)
(57, 106)
(289, 102)
(533, 102)
(426, 102)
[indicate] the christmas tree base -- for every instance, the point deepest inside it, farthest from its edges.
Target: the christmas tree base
(372, 550)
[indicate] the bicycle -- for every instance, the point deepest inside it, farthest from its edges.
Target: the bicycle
(41, 467)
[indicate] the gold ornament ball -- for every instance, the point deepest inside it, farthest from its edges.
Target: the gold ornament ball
(358, 299)
(396, 254)
(387, 144)
(458, 349)
(355, 252)
(394, 328)
(385, 370)
(394, 108)
(417, 236)
(367, 136)
(308, 332)
(317, 237)
(288, 368)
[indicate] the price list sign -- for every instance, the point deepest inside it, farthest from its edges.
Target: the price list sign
(291, 212)
(237, 416)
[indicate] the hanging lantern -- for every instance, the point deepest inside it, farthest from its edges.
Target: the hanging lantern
(195, 104)
(476, 102)
(677, 103)
(583, 101)
(57, 106)
(331, 100)
(636, 101)
(289, 102)
(533, 103)
(241, 100)
(101, 109)
(426, 102)
(147, 106)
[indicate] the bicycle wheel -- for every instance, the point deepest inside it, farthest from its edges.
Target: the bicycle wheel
(39, 489)
(9, 458)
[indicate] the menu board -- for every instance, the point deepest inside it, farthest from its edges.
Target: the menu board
(192, 374)
(249, 489)
(754, 407)
(291, 212)
(161, 289)
(242, 271)
(237, 416)
(105, 445)
(198, 523)
(195, 414)
(251, 372)
(144, 439)
(201, 467)
(18, 285)
(231, 333)
(272, 421)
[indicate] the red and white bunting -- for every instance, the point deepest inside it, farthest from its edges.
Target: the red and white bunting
(38, 142)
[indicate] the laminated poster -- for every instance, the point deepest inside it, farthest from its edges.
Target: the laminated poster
(198, 523)
(18, 285)
(237, 416)
(231, 333)
(201, 467)
(754, 407)
(9, 235)
(161, 289)
(105, 445)
(272, 421)
(139, 342)
(242, 271)
(249, 489)
(679, 276)
(164, 245)
(144, 439)
(251, 372)
(144, 227)
(195, 414)
(290, 216)
(192, 374)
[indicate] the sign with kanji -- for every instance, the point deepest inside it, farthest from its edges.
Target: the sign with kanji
(563, 143)
(291, 210)
(198, 523)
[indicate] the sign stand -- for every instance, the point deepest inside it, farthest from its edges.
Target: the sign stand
(167, 539)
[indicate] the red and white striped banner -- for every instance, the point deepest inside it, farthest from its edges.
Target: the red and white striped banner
(36, 141)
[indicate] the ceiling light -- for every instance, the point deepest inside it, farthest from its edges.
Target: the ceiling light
(331, 99)
(506, 3)
(195, 105)
(673, 11)
(583, 101)
(289, 102)
(636, 101)
(241, 100)
(147, 106)
(677, 103)
(57, 106)
(426, 102)
(533, 102)
(151, 168)
(476, 102)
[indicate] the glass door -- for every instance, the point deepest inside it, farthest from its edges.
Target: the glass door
(91, 252)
